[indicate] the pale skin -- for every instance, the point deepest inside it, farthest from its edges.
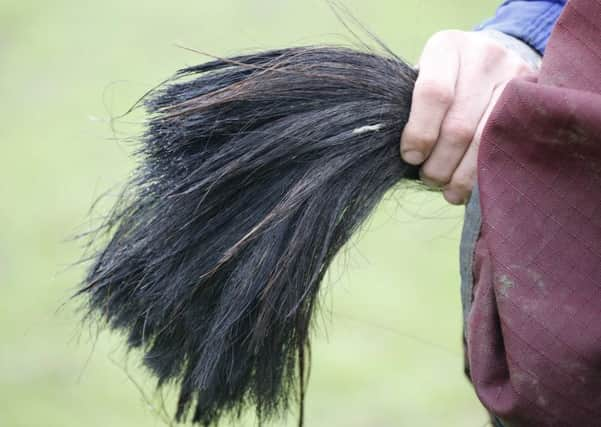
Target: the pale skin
(461, 76)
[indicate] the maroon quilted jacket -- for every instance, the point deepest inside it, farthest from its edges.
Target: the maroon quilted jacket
(533, 312)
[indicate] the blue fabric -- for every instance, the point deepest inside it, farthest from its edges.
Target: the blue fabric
(528, 20)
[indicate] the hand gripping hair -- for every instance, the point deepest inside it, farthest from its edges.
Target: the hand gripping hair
(253, 172)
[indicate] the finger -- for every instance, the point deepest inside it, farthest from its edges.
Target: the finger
(432, 96)
(481, 70)
(460, 186)
(458, 128)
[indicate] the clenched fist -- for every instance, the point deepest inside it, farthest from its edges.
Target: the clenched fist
(461, 75)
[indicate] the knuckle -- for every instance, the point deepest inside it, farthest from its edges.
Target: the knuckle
(458, 132)
(419, 140)
(461, 184)
(522, 68)
(495, 50)
(455, 198)
(458, 190)
(434, 176)
(436, 91)
(493, 55)
(463, 178)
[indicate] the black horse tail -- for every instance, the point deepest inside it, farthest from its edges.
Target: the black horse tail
(254, 171)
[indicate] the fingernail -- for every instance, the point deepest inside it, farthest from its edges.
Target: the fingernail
(413, 157)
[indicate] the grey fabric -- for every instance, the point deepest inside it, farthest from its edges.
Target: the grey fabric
(469, 236)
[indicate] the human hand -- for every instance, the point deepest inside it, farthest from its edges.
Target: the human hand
(461, 76)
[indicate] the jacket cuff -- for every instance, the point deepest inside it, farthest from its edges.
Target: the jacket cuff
(529, 21)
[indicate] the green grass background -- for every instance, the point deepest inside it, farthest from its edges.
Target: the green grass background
(387, 348)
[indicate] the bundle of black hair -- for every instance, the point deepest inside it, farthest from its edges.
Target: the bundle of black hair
(254, 171)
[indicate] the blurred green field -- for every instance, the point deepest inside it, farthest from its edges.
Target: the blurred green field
(387, 349)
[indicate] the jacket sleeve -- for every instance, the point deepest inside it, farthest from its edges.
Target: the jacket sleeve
(528, 20)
